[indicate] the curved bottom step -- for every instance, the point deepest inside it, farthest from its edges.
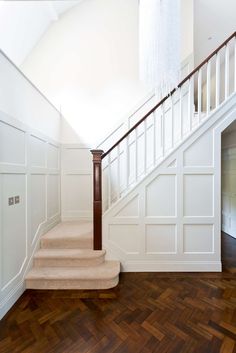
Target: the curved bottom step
(104, 276)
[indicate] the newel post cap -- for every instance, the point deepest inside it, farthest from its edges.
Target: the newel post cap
(97, 154)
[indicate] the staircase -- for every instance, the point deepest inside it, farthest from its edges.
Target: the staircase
(66, 260)
(156, 200)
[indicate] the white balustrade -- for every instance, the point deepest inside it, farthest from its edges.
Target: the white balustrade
(171, 123)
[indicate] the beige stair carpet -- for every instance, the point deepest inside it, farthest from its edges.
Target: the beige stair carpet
(66, 261)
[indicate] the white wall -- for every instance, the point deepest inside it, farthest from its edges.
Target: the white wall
(187, 28)
(171, 220)
(229, 183)
(76, 182)
(20, 99)
(87, 63)
(30, 169)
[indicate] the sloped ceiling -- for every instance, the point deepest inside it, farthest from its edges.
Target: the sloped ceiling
(22, 24)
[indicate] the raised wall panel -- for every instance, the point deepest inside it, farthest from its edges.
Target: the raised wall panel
(14, 239)
(125, 236)
(198, 238)
(38, 203)
(173, 164)
(37, 152)
(200, 153)
(53, 157)
(12, 144)
(198, 195)
(77, 193)
(160, 238)
(131, 209)
(161, 197)
(53, 195)
(77, 159)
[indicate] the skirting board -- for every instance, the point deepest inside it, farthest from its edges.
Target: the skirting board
(177, 266)
(12, 297)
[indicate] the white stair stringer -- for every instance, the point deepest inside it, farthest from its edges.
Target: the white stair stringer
(171, 220)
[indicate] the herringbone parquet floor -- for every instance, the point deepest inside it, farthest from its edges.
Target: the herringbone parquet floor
(147, 312)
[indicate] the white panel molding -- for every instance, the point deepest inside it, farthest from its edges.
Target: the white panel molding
(171, 266)
(76, 182)
(35, 157)
(205, 171)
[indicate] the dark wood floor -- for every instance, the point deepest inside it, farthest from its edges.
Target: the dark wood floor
(147, 312)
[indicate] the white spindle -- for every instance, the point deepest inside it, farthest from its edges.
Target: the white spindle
(208, 91)
(163, 130)
(127, 161)
(217, 79)
(181, 114)
(145, 146)
(154, 138)
(199, 98)
(109, 180)
(190, 103)
(235, 64)
(136, 154)
(172, 121)
(227, 71)
(118, 172)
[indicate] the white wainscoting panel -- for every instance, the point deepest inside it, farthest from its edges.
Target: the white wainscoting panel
(171, 221)
(29, 169)
(76, 182)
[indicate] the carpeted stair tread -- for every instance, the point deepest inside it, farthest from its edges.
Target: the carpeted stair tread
(72, 253)
(107, 270)
(68, 257)
(69, 235)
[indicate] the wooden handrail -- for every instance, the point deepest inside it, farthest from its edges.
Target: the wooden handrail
(169, 94)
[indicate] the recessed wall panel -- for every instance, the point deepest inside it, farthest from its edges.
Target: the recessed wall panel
(53, 195)
(160, 238)
(13, 250)
(161, 197)
(200, 153)
(38, 203)
(53, 156)
(198, 195)
(12, 145)
(125, 236)
(37, 152)
(198, 238)
(77, 192)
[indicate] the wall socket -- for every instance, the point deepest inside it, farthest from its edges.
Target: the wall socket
(11, 201)
(17, 199)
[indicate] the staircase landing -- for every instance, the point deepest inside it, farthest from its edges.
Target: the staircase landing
(66, 261)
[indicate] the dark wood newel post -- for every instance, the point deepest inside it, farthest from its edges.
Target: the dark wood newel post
(97, 199)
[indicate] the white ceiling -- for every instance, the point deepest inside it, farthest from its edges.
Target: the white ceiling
(22, 24)
(214, 21)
